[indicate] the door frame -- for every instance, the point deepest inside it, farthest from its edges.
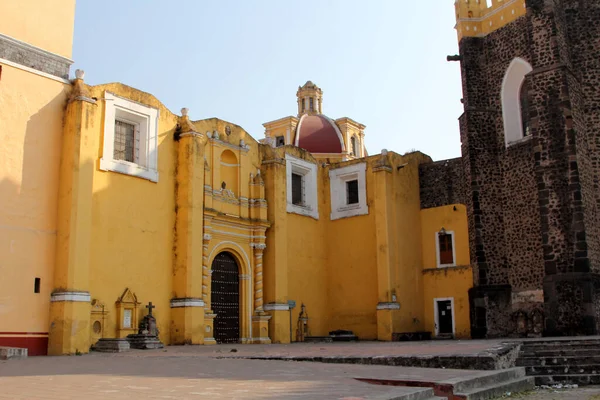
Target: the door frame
(436, 321)
(240, 283)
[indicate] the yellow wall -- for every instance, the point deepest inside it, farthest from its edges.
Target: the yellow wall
(446, 282)
(476, 19)
(132, 224)
(46, 24)
(31, 114)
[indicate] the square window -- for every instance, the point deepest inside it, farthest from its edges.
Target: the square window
(297, 189)
(130, 138)
(301, 187)
(280, 141)
(352, 192)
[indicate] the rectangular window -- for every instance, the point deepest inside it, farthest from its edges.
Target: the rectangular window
(126, 143)
(303, 105)
(312, 104)
(297, 189)
(446, 251)
(280, 141)
(36, 285)
(352, 192)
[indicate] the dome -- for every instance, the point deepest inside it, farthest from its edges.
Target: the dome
(319, 134)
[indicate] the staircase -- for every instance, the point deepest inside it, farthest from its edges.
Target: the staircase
(554, 362)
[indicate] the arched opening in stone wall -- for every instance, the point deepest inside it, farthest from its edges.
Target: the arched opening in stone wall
(229, 172)
(515, 106)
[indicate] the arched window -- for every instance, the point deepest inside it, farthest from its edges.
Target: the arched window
(354, 146)
(515, 104)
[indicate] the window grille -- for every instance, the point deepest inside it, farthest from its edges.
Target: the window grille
(352, 192)
(127, 142)
(280, 141)
(297, 189)
(446, 252)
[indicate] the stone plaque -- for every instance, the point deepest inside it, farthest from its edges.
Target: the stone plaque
(127, 318)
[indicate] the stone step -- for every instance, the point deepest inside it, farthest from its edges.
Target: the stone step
(582, 380)
(498, 389)
(505, 375)
(592, 369)
(567, 342)
(557, 346)
(560, 360)
(12, 353)
(559, 352)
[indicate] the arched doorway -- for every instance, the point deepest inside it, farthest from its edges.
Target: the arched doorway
(225, 298)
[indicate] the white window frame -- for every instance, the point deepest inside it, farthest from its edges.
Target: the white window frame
(437, 250)
(510, 98)
(436, 320)
(308, 171)
(338, 189)
(145, 119)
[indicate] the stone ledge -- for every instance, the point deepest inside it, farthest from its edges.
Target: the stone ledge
(12, 353)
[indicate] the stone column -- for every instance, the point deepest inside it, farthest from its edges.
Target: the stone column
(258, 279)
(70, 303)
(209, 316)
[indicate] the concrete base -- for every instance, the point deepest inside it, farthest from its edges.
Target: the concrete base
(12, 353)
(112, 345)
(144, 342)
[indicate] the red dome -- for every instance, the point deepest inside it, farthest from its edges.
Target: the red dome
(318, 134)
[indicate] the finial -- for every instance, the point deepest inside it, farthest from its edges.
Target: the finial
(215, 134)
(258, 172)
(79, 74)
(184, 111)
(384, 152)
(242, 143)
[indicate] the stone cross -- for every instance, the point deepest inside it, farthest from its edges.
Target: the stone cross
(150, 307)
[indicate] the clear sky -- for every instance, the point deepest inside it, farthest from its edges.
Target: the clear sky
(379, 62)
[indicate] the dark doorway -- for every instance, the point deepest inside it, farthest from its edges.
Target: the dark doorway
(444, 312)
(225, 298)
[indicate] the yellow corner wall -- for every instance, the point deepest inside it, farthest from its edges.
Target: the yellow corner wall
(132, 225)
(476, 19)
(448, 282)
(31, 116)
(46, 24)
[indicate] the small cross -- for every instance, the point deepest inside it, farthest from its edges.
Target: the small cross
(150, 307)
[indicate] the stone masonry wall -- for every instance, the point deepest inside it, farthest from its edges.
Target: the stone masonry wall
(442, 183)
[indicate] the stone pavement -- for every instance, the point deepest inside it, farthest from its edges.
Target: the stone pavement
(584, 393)
(193, 372)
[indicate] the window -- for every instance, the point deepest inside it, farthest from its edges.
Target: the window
(352, 192)
(130, 138)
(445, 248)
(36, 285)
(127, 142)
(354, 146)
(524, 103)
(297, 190)
(515, 102)
(348, 191)
(280, 141)
(301, 182)
(303, 104)
(312, 104)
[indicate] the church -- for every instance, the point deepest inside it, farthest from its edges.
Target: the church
(112, 206)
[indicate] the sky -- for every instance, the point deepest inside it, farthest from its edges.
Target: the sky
(380, 62)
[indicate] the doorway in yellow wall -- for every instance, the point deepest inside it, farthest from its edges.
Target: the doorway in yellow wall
(225, 298)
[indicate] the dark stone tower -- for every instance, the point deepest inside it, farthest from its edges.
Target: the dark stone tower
(533, 202)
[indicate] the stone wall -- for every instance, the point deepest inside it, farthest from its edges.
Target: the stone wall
(533, 206)
(442, 183)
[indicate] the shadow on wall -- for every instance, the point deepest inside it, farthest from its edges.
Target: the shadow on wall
(28, 210)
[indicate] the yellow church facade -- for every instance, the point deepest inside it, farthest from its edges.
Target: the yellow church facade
(113, 205)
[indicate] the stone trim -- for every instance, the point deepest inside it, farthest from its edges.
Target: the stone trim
(187, 302)
(34, 71)
(81, 297)
(388, 306)
(34, 57)
(276, 307)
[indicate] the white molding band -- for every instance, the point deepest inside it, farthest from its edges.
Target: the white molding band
(388, 306)
(78, 297)
(187, 302)
(276, 307)
(34, 71)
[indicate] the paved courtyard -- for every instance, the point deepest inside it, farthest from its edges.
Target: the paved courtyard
(201, 372)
